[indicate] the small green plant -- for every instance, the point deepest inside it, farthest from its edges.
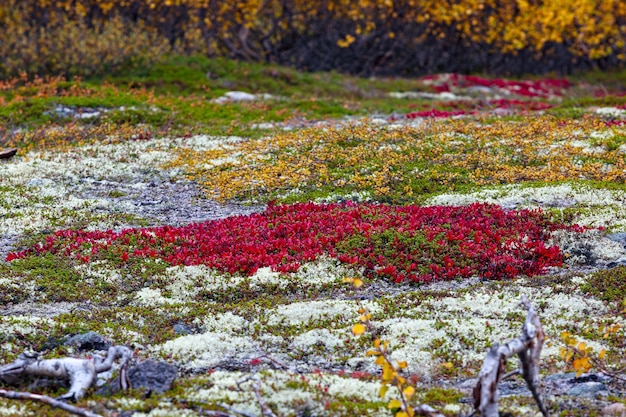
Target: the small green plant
(582, 358)
(391, 370)
(608, 285)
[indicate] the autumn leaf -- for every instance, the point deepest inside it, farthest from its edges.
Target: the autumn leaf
(358, 329)
(394, 404)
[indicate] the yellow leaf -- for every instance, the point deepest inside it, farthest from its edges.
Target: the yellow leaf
(358, 329)
(402, 364)
(394, 404)
(383, 390)
(380, 360)
(602, 354)
(377, 343)
(372, 352)
(401, 414)
(581, 365)
(562, 352)
(388, 372)
(408, 392)
(365, 317)
(582, 346)
(447, 365)
(348, 280)
(357, 283)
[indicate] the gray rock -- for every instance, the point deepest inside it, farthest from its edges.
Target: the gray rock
(149, 376)
(618, 237)
(89, 341)
(153, 376)
(587, 389)
(180, 328)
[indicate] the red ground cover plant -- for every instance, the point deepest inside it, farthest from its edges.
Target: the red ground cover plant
(400, 243)
(528, 88)
(464, 107)
(435, 113)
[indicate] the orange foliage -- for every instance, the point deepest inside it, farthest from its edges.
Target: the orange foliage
(109, 32)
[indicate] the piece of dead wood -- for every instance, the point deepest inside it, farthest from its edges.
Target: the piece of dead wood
(81, 373)
(7, 153)
(528, 348)
(17, 395)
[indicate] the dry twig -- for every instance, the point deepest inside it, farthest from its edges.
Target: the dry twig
(17, 395)
(528, 348)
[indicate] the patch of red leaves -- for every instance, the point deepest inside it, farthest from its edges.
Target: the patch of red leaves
(412, 243)
(528, 88)
(435, 113)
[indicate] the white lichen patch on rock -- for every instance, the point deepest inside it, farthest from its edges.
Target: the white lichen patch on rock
(225, 323)
(287, 392)
(208, 349)
(340, 311)
(186, 281)
(49, 189)
(596, 206)
(151, 297)
(330, 340)
(590, 246)
(99, 271)
(25, 208)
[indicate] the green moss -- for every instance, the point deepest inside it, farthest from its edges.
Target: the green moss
(54, 277)
(441, 396)
(608, 285)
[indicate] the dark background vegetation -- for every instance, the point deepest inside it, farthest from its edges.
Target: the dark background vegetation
(366, 38)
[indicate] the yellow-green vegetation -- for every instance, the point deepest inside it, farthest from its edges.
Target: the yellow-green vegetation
(407, 164)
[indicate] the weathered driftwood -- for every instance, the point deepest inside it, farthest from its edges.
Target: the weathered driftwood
(7, 153)
(16, 395)
(427, 411)
(81, 373)
(528, 348)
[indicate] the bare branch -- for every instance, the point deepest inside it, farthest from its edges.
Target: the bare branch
(81, 373)
(528, 348)
(18, 395)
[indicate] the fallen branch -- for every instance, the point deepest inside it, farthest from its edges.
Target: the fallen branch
(81, 373)
(16, 395)
(528, 348)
